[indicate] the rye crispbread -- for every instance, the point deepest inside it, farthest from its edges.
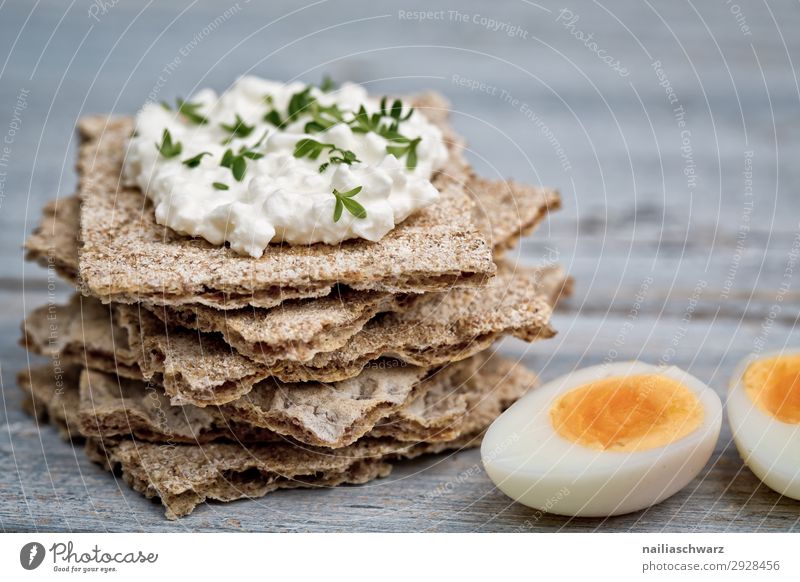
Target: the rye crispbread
(393, 404)
(51, 395)
(183, 476)
(310, 413)
(441, 328)
(80, 332)
(297, 330)
(201, 369)
(127, 257)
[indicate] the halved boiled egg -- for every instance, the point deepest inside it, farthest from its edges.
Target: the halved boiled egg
(764, 412)
(604, 440)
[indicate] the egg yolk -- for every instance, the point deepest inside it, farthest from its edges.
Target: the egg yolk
(774, 385)
(627, 413)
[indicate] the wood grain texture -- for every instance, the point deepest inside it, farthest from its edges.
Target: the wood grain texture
(668, 267)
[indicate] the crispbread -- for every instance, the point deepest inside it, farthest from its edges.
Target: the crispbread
(54, 242)
(80, 332)
(506, 210)
(310, 413)
(127, 257)
(202, 369)
(51, 396)
(388, 405)
(183, 476)
(297, 330)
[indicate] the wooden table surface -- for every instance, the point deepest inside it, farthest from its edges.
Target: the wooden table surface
(671, 131)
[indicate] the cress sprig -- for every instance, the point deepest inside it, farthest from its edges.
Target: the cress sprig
(194, 161)
(167, 148)
(345, 200)
(237, 129)
(312, 149)
(187, 110)
(238, 162)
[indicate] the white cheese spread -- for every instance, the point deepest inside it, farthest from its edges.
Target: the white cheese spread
(272, 162)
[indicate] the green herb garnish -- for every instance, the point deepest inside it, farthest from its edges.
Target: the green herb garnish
(405, 147)
(345, 200)
(399, 144)
(299, 104)
(220, 186)
(237, 129)
(194, 161)
(312, 149)
(323, 117)
(274, 118)
(327, 84)
(187, 110)
(167, 148)
(238, 162)
(363, 122)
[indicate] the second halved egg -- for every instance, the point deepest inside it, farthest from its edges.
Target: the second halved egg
(764, 412)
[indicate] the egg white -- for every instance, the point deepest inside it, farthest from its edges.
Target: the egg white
(770, 447)
(529, 461)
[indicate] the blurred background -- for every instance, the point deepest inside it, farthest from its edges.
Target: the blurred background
(670, 128)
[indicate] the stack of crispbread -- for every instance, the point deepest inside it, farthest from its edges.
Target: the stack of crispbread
(203, 374)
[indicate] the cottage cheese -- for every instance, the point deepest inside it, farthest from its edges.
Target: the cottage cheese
(281, 198)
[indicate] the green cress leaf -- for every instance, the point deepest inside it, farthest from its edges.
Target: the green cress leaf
(220, 186)
(411, 159)
(239, 168)
(167, 148)
(405, 147)
(354, 208)
(274, 118)
(238, 162)
(299, 103)
(250, 154)
(308, 148)
(194, 161)
(323, 117)
(327, 84)
(349, 193)
(337, 209)
(237, 129)
(189, 111)
(345, 200)
(227, 159)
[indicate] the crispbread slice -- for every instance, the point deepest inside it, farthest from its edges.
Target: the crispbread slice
(54, 242)
(311, 413)
(387, 405)
(80, 332)
(51, 395)
(127, 257)
(183, 476)
(202, 369)
(297, 330)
